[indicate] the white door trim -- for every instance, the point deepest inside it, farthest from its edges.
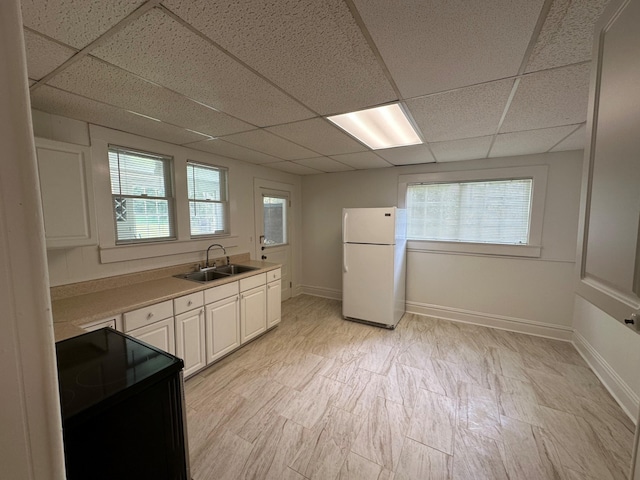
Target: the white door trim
(262, 186)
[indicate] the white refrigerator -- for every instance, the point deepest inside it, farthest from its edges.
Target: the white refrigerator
(373, 265)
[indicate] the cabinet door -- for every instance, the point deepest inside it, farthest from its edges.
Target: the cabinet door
(223, 327)
(66, 188)
(253, 312)
(160, 334)
(274, 302)
(190, 344)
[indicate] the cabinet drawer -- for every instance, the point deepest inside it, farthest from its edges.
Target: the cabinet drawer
(274, 275)
(253, 282)
(188, 302)
(147, 315)
(112, 322)
(218, 293)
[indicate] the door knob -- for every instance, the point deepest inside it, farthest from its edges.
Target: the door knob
(264, 257)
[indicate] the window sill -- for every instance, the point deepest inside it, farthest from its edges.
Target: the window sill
(530, 251)
(137, 251)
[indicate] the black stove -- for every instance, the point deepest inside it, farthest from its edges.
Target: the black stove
(121, 401)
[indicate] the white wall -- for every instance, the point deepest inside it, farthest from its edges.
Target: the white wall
(30, 424)
(612, 350)
(531, 295)
(84, 263)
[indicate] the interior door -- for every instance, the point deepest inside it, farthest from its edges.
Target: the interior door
(610, 248)
(273, 231)
(609, 251)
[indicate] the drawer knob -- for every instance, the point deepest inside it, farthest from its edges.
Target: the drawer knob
(189, 303)
(150, 314)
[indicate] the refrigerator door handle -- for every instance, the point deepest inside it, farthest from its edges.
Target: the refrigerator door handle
(344, 258)
(344, 227)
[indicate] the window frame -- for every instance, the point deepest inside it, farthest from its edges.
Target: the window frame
(225, 203)
(537, 173)
(168, 162)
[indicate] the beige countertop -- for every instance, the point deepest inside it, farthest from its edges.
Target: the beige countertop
(71, 312)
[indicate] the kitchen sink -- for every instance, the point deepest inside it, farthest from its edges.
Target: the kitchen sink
(203, 276)
(235, 269)
(211, 274)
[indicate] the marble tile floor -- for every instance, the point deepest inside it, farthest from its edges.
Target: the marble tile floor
(322, 398)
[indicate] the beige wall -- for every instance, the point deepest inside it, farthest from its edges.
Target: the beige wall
(534, 295)
(84, 263)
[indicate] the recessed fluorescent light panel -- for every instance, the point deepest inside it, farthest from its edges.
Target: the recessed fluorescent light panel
(380, 127)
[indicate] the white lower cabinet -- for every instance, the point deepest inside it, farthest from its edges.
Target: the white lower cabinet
(159, 334)
(253, 313)
(274, 303)
(190, 340)
(208, 324)
(154, 325)
(223, 327)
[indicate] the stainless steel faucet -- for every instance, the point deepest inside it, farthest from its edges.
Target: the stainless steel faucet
(206, 265)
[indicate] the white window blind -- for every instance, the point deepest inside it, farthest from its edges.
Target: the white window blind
(142, 195)
(208, 199)
(496, 211)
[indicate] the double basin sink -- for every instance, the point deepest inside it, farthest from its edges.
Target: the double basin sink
(215, 273)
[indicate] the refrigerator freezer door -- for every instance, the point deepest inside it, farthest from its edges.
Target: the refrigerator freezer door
(369, 225)
(368, 283)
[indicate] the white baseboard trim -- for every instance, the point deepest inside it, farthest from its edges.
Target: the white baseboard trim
(331, 293)
(617, 387)
(513, 324)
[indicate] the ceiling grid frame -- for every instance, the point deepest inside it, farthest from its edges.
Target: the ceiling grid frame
(360, 21)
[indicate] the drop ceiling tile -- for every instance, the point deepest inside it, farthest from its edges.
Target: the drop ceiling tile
(52, 100)
(75, 22)
(291, 167)
(575, 141)
(266, 142)
(549, 99)
(312, 49)
(318, 135)
(410, 155)
(464, 113)
(362, 160)
(465, 149)
(435, 46)
(528, 142)
(567, 34)
(43, 55)
(100, 81)
(324, 164)
(220, 147)
(161, 50)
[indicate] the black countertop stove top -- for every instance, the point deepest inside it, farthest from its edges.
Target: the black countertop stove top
(102, 367)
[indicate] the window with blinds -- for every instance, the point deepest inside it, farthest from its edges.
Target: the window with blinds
(142, 195)
(208, 199)
(496, 212)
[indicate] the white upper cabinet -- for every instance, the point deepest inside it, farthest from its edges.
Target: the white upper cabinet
(67, 194)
